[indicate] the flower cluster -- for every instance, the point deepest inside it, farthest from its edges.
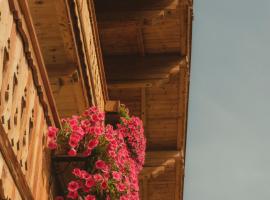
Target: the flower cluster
(113, 157)
(133, 132)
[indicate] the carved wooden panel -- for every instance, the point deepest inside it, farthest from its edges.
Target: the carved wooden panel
(93, 53)
(8, 188)
(23, 108)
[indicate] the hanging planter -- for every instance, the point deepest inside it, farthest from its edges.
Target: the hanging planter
(97, 161)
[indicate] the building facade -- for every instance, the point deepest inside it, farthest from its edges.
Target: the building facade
(58, 57)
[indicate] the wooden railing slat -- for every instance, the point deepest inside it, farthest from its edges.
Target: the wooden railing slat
(14, 166)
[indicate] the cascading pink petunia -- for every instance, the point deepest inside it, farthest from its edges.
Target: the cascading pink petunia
(115, 156)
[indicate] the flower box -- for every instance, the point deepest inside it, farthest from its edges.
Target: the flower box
(94, 160)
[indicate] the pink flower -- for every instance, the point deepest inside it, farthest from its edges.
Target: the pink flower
(59, 198)
(72, 195)
(100, 164)
(52, 131)
(95, 118)
(85, 174)
(92, 144)
(87, 152)
(97, 178)
(112, 153)
(52, 144)
(104, 185)
(85, 123)
(73, 140)
(117, 176)
(101, 116)
(98, 130)
(106, 175)
(73, 186)
(90, 197)
(90, 182)
(124, 197)
(76, 172)
(72, 152)
(74, 121)
(121, 187)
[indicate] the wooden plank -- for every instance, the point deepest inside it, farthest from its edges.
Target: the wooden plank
(27, 32)
(34, 139)
(37, 160)
(112, 106)
(183, 105)
(14, 166)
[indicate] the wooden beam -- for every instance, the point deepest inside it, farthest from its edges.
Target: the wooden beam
(84, 22)
(183, 103)
(112, 106)
(92, 11)
(134, 84)
(162, 154)
(133, 5)
(128, 18)
(135, 68)
(154, 171)
(182, 124)
(14, 166)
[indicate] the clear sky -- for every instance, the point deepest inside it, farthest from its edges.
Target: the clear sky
(228, 147)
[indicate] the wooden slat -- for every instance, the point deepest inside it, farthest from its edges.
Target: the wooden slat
(14, 166)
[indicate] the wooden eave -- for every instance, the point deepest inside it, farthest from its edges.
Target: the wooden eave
(134, 31)
(62, 40)
(55, 35)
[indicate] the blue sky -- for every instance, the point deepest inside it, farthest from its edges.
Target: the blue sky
(228, 147)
